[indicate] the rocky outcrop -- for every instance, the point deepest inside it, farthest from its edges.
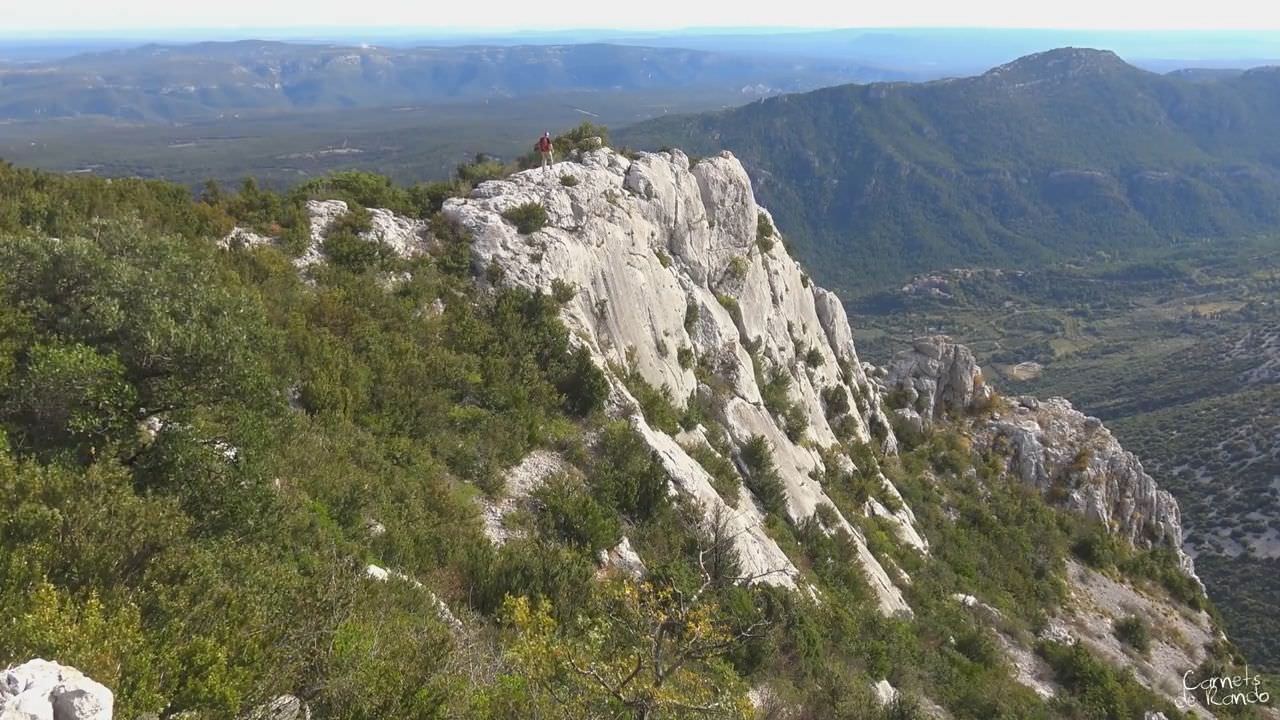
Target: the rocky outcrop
(1048, 444)
(43, 690)
(935, 379)
(672, 283)
(1079, 464)
(403, 237)
(521, 480)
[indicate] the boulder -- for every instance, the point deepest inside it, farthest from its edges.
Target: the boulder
(282, 707)
(885, 693)
(623, 557)
(44, 690)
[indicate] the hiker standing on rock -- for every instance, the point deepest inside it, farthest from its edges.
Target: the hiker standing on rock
(546, 149)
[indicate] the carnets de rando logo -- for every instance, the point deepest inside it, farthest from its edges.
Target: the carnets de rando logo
(1223, 690)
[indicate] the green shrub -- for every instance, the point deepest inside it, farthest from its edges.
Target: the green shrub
(482, 169)
(775, 391)
(428, 198)
(366, 189)
(980, 646)
(835, 401)
(1134, 632)
(563, 291)
(582, 384)
(1096, 690)
(567, 511)
(813, 358)
(690, 315)
(735, 311)
(581, 136)
(898, 399)
(528, 218)
(738, 266)
(568, 180)
(764, 232)
(684, 355)
(73, 396)
(1096, 546)
(1160, 564)
(724, 476)
(531, 569)
(762, 475)
(656, 404)
(627, 475)
(795, 421)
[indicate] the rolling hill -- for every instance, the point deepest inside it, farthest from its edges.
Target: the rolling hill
(1057, 155)
(204, 80)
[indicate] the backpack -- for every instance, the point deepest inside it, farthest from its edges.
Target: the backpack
(544, 144)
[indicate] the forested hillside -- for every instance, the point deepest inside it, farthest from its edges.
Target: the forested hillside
(1068, 154)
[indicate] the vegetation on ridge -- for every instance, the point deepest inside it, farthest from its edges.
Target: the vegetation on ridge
(205, 449)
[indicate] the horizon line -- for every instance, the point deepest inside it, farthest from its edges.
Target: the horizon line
(462, 31)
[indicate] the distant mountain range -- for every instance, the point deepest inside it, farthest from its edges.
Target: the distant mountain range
(1054, 156)
(204, 80)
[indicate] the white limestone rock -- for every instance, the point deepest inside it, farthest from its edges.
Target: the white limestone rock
(405, 237)
(243, 238)
(521, 480)
(939, 378)
(1078, 463)
(1048, 444)
(885, 693)
(44, 690)
(664, 257)
(282, 707)
(623, 558)
(445, 615)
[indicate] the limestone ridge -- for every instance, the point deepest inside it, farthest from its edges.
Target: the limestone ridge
(666, 264)
(1048, 444)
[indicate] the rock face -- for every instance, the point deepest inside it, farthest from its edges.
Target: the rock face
(936, 377)
(1048, 444)
(1078, 463)
(673, 283)
(43, 690)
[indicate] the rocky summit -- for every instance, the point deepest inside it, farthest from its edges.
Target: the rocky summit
(671, 272)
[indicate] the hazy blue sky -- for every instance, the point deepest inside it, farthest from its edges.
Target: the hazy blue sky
(74, 15)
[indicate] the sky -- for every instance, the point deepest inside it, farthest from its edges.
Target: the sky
(69, 16)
